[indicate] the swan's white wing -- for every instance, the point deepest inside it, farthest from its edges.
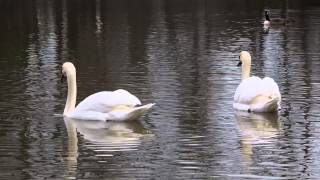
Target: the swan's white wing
(247, 90)
(253, 87)
(122, 113)
(119, 105)
(270, 85)
(105, 101)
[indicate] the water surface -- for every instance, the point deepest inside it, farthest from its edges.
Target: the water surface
(179, 54)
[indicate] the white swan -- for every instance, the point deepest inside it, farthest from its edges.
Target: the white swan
(253, 93)
(117, 105)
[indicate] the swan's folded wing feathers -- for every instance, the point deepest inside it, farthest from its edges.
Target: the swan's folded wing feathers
(254, 87)
(128, 113)
(248, 89)
(123, 97)
(106, 100)
(270, 84)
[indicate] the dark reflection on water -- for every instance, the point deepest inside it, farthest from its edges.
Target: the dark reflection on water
(180, 54)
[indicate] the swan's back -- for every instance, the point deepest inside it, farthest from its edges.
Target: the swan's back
(251, 87)
(106, 100)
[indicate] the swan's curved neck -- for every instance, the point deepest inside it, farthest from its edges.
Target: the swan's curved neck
(72, 93)
(245, 70)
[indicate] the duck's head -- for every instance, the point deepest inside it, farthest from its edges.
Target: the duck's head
(267, 15)
(266, 12)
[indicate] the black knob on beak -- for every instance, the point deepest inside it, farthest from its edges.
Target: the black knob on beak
(239, 64)
(62, 77)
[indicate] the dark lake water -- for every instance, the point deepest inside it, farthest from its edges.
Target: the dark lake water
(179, 54)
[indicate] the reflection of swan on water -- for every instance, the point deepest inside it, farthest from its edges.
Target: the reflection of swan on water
(102, 137)
(119, 105)
(111, 135)
(255, 130)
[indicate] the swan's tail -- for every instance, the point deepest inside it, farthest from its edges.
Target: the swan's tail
(263, 103)
(141, 110)
(272, 104)
(127, 114)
